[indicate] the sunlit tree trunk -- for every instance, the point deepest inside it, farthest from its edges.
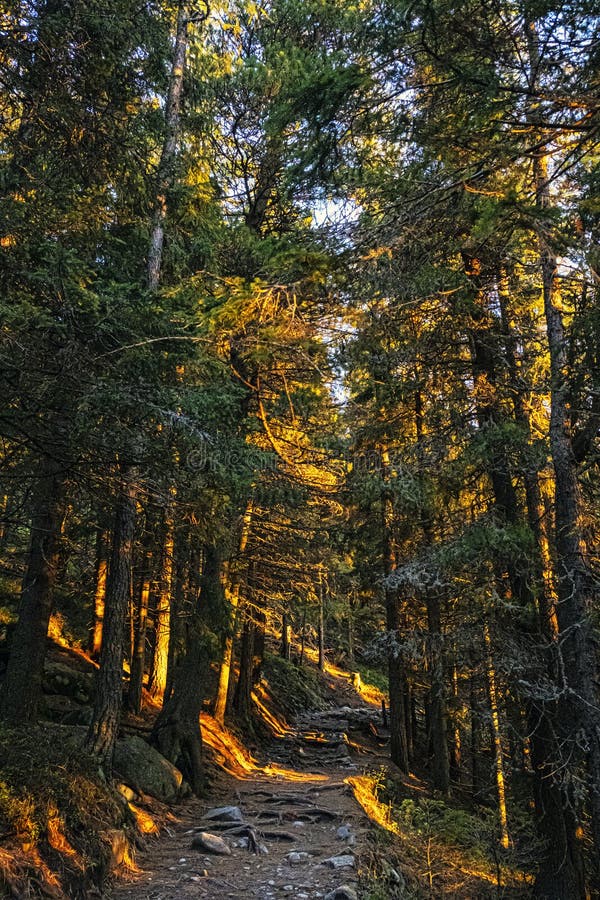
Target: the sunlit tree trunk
(102, 733)
(286, 633)
(166, 166)
(396, 672)
(580, 707)
(23, 680)
(3, 523)
(496, 740)
(232, 596)
(577, 669)
(101, 573)
(162, 628)
(138, 662)
(176, 732)
(455, 754)
(477, 781)
(182, 601)
(321, 592)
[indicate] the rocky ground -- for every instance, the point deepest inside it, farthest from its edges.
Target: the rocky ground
(297, 833)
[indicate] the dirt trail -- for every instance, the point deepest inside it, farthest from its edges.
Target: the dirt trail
(303, 827)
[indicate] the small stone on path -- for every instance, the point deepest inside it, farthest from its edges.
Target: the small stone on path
(345, 861)
(211, 843)
(344, 892)
(296, 857)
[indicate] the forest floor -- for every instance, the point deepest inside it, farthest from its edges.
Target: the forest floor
(306, 834)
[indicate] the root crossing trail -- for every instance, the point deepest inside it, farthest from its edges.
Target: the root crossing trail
(298, 836)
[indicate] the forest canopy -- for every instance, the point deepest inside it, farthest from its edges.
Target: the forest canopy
(300, 343)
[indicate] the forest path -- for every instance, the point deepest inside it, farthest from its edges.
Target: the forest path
(305, 817)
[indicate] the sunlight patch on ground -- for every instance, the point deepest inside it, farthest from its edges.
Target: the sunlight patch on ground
(233, 758)
(364, 788)
(274, 722)
(367, 692)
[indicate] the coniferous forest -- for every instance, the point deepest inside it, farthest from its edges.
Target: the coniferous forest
(300, 393)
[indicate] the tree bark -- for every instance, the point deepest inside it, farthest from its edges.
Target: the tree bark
(102, 545)
(321, 624)
(233, 596)
(286, 631)
(102, 734)
(242, 701)
(162, 626)
(176, 733)
(181, 601)
(23, 681)
(438, 739)
(138, 662)
(496, 733)
(166, 166)
(397, 676)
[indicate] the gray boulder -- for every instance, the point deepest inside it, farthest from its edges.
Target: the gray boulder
(144, 769)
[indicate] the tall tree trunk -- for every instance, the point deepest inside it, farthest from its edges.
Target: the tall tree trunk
(286, 633)
(176, 732)
(321, 623)
(166, 166)
(437, 717)
(181, 600)
(303, 637)
(576, 667)
(138, 662)
(3, 522)
(396, 671)
(23, 681)
(242, 700)
(477, 782)
(102, 550)
(103, 729)
(455, 754)
(438, 740)
(162, 626)
(496, 740)
(232, 596)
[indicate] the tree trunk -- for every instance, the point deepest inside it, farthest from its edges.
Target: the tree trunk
(102, 545)
(103, 729)
(181, 600)
(286, 644)
(138, 662)
(176, 733)
(455, 755)
(233, 596)
(242, 701)
(397, 675)
(24, 673)
(496, 740)
(477, 781)
(168, 155)
(321, 624)
(580, 709)
(438, 740)
(162, 627)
